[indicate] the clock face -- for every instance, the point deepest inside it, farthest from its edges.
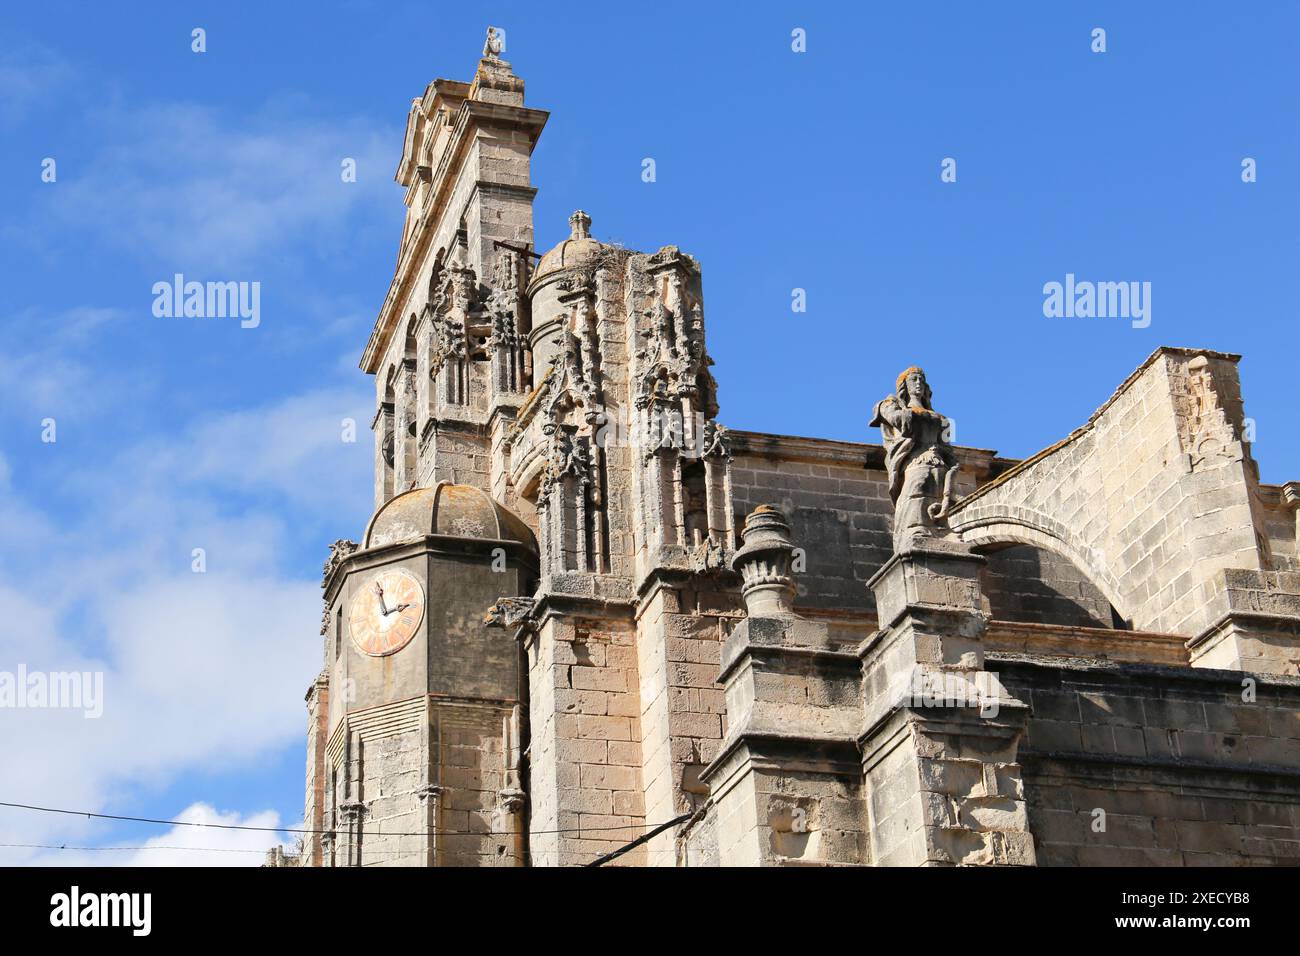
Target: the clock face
(386, 610)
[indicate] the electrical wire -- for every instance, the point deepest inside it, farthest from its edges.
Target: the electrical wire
(193, 849)
(376, 833)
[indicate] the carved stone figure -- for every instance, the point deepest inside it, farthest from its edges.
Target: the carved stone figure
(508, 612)
(709, 555)
(568, 456)
(715, 443)
(919, 460)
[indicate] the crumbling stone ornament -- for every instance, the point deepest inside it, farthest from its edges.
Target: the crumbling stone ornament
(508, 612)
(339, 550)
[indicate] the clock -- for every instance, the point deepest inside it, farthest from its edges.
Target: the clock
(386, 611)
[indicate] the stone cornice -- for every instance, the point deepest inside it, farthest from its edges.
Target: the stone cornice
(1159, 677)
(562, 603)
(314, 689)
(1261, 619)
(833, 451)
(896, 718)
(1290, 493)
(797, 657)
(384, 408)
(1064, 641)
(777, 749)
(1270, 778)
(441, 544)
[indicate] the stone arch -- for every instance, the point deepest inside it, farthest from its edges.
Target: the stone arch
(985, 529)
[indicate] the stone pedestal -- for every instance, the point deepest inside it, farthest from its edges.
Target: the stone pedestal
(1258, 629)
(792, 713)
(941, 733)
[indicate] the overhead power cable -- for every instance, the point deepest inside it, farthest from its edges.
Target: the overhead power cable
(235, 826)
(192, 849)
(601, 861)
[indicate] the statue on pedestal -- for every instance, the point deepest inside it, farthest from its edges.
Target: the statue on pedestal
(921, 463)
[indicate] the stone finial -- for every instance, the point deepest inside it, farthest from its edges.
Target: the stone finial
(580, 225)
(764, 564)
(493, 46)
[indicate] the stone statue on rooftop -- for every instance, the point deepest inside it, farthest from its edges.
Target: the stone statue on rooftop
(921, 463)
(493, 46)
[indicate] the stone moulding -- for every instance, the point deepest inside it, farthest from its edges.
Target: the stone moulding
(364, 558)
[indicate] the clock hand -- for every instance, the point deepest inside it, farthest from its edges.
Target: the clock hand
(380, 592)
(401, 607)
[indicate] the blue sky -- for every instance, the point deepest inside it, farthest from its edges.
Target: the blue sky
(778, 170)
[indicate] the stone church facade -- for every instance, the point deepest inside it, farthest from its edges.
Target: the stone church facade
(584, 609)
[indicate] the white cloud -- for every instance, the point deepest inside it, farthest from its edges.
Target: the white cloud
(287, 448)
(29, 77)
(199, 670)
(211, 844)
(232, 847)
(54, 375)
(192, 191)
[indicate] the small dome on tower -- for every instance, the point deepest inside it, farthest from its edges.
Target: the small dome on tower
(458, 511)
(576, 252)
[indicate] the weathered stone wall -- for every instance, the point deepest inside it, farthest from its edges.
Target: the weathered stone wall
(1185, 770)
(836, 497)
(679, 635)
(839, 511)
(468, 751)
(586, 792)
(1024, 583)
(314, 808)
(1153, 497)
(1281, 522)
(425, 779)
(804, 812)
(388, 765)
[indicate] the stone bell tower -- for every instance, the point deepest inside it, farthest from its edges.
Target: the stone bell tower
(418, 719)
(448, 351)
